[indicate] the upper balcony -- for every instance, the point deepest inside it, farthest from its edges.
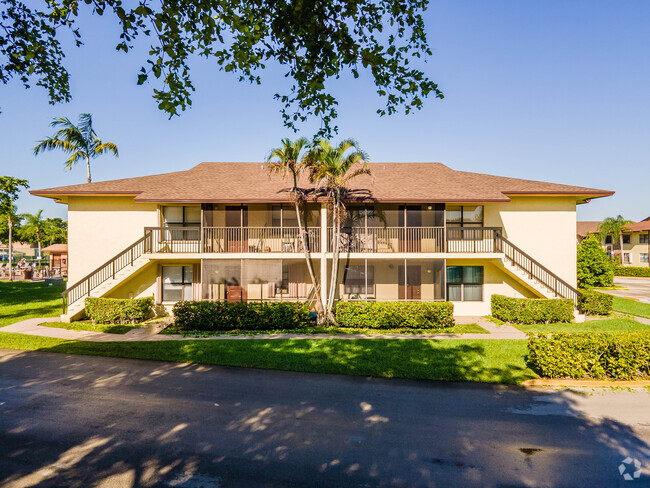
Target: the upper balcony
(373, 240)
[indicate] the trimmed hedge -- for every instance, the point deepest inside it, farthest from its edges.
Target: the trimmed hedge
(624, 356)
(595, 303)
(225, 316)
(532, 310)
(118, 310)
(632, 271)
(395, 315)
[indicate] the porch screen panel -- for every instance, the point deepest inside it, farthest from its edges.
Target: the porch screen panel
(221, 279)
(261, 279)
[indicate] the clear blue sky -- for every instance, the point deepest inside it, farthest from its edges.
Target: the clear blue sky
(550, 90)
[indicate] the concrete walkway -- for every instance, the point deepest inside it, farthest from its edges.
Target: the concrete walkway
(32, 327)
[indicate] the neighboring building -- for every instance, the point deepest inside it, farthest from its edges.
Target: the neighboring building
(636, 242)
(19, 250)
(58, 258)
(227, 231)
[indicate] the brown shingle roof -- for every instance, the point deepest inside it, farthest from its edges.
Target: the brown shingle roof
(59, 248)
(390, 182)
(587, 227)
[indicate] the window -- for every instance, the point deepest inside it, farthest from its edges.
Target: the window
(464, 283)
(608, 239)
(177, 283)
(465, 215)
(283, 216)
(643, 238)
(627, 257)
(181, 216)
(354, 279)
(643, 257)
(626, 239)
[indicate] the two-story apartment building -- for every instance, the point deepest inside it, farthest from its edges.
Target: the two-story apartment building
(414, 231)
(636, 242)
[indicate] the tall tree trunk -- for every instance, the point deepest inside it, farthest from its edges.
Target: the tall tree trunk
(38, 238)
(11, 254)
(620, 240)
(88, 167)
(335, 258)
(303, 243)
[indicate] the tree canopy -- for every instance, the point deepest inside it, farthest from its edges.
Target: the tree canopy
(312, 40)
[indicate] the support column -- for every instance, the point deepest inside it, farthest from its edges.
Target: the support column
(323, 249)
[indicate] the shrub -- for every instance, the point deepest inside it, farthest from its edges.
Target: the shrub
(595, 303)
(395, 315)
(632, 271)
(602, 355)
(532, 310)
(240, 315)
(118, 310)
(595, 267)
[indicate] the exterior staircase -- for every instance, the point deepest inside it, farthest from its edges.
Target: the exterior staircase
(105, 277)
(533, 274)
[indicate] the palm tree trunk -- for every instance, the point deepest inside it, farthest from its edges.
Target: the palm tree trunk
(335, 258)
(620, 240)
(38, 238)
(88, 167)
(306, 252)
(11, 254)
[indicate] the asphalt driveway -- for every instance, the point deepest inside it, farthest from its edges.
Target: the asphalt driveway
(637, 288)
(81, 421)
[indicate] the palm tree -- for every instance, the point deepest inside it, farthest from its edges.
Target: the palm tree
(80, 141)
(32, 229)
(287, 161)
(614, 226)
(331, 169)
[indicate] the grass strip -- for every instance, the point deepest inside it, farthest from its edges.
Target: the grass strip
(632, 307)
(87, 325)
(20, 300)
(602, 325)
(487, 361)
(457, 329)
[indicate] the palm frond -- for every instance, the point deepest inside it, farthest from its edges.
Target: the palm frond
(79, 155)
(106, 147)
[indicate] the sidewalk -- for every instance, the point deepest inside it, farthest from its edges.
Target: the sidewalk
(32, 327)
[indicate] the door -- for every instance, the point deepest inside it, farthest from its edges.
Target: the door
(410, 223)
(412, 290)
(236, 228)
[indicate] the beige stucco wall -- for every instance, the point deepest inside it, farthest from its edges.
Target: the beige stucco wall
(635, 248)
(543, 227)
(139, 285)
(100, 227)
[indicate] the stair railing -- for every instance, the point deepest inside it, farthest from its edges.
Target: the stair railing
(537, 271)
(106, 271)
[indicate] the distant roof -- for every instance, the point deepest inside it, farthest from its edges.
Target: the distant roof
(591, 227)
(58, 248)
(390, 182)
(587, 227)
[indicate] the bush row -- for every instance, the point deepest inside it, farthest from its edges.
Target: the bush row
(624, 356)
(241, 315)
(632, 271)
(118, 310)
(395, 315)
(532, 310)
(595, 303)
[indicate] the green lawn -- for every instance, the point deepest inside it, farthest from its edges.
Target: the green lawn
(24, 300)
(632, 307)
(489, 361)
(601, 325)
(456, 329)
(87, 325)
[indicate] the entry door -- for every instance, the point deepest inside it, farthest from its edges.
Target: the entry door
(410, 223)
(236, 228)
(412, 290)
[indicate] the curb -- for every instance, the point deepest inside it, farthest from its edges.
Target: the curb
(588, 383)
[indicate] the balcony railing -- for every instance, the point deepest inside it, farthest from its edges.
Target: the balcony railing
(418, 239)
(287, 240)
(231, 239)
